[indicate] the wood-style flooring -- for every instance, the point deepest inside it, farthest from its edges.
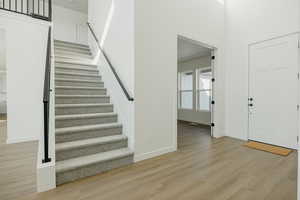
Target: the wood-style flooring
(202, 169)
(17, 167)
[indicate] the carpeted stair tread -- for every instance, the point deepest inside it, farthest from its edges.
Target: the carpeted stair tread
(78, 87)
(81, 96)
(60, 42)
(71, 164)
(77, 74)
(82, 105)
(83, 116)
(76, 63)
(87, 128)
(79, 80)
(89, 142)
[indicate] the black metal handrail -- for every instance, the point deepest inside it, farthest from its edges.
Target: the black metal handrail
(46, 99)
(110, 65)
(40, 9)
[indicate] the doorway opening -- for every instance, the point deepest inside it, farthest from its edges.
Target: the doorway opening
(195, 91)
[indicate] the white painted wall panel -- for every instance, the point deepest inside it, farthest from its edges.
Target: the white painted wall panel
(157, 25)
(113, 22)
(25, 62)
(2, 72)
(249, 21)
(69, 25)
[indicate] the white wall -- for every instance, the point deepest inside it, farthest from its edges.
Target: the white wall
(249, 21)
(192, 115)
(157, 25)
(69, 25)
(2, 50)
(25, 62)
(113, 22)
(2, 72)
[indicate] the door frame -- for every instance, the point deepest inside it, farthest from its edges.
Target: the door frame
(214, 54)
(248, 95)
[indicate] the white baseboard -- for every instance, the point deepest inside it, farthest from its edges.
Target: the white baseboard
(19, 140)
(237, 137)
(148, 155)
(219, 133)
(46, 178)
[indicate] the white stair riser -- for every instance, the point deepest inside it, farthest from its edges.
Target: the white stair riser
(73, 65)
(78, 77)
(75, 53)
(70, 45)
(68, 91)
(74, 70)
(72, 50)
(80, 84)
(74, 136)
(92, 149)
(81, 100)
(72, 59)
(85, 121)
(91, 170)
(83, 110)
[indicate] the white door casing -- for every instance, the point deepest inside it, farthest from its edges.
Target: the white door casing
(273, 91)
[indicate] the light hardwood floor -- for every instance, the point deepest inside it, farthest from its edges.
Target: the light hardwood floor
(201, 169)
(17, 167)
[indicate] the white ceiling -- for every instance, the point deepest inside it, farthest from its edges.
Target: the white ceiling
(78, 5)
(188, 50)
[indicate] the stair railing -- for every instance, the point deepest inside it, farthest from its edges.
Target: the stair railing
(110, 64)
(40, 9)
(46, 99)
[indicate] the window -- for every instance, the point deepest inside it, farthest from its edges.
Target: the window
(186, 90)
(204, 91)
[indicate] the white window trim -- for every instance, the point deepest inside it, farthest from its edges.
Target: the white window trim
(180, 91)
(198, 71)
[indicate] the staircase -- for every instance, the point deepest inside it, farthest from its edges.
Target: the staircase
(88, 136)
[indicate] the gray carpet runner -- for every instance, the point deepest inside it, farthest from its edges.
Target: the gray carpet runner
(88, 136)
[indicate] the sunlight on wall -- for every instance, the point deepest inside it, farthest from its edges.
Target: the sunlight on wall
(221, 1)
(107, 23)
(96, 58)
(105, 31)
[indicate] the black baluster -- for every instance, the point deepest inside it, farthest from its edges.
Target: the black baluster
(50, 10)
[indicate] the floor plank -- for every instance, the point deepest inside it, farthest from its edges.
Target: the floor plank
(17, 167)
(202, 169)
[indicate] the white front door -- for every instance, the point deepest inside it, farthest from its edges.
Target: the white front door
(273, 91)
